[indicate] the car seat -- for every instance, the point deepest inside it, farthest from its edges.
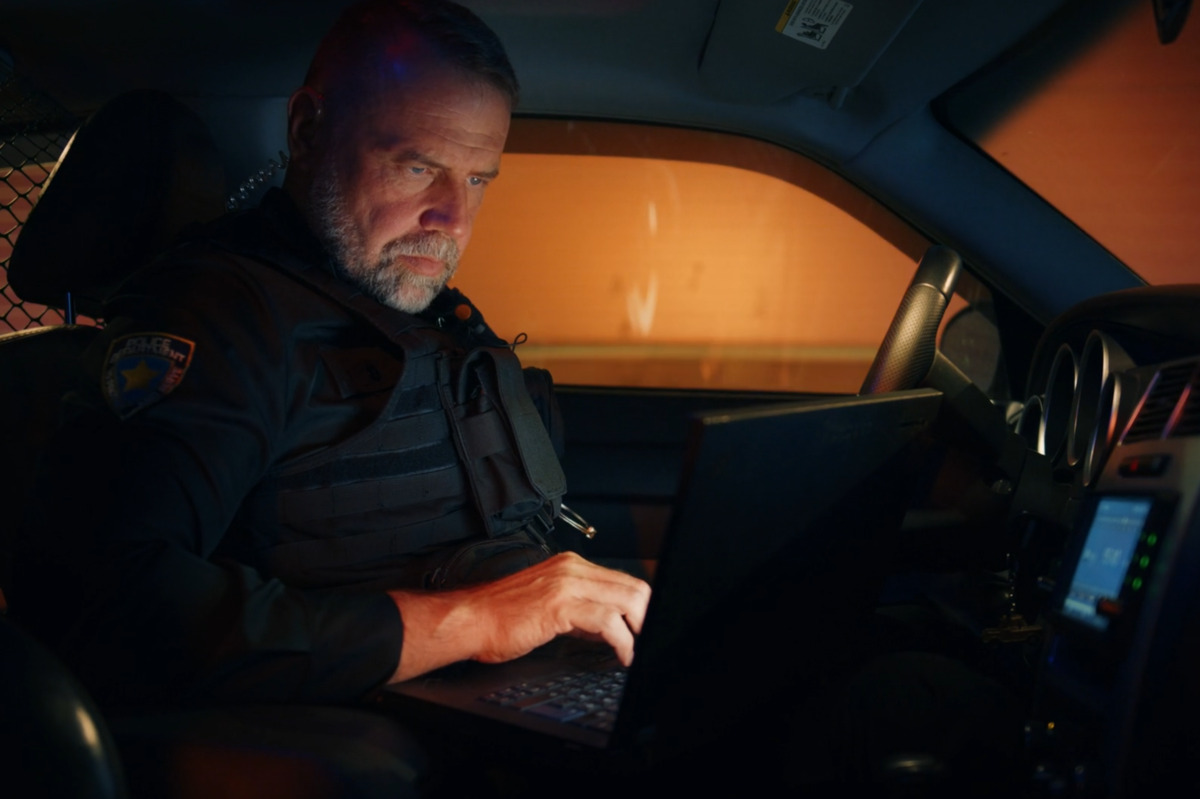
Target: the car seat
(134, 175)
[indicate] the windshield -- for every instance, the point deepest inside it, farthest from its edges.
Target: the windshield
(1107, 129)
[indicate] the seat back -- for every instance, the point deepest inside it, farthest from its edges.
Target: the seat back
(138, 172)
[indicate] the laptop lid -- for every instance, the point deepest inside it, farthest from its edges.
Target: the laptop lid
(778, 521)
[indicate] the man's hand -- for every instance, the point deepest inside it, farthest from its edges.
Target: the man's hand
(499, 621)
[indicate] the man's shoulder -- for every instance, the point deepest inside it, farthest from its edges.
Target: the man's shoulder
(273, 233)
(242, 256)
(199, 272)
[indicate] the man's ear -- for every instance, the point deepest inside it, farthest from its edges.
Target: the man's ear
(305, 117)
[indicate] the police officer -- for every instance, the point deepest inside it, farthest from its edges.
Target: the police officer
(304, 433)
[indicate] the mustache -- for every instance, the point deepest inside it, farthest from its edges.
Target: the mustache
(425, 245)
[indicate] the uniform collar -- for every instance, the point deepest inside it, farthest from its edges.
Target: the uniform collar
(292, 231)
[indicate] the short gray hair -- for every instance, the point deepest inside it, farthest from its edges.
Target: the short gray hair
(451, 30)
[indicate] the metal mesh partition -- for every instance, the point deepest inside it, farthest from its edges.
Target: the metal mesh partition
(33, 132)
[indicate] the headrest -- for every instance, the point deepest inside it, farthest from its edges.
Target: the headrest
(139, 171)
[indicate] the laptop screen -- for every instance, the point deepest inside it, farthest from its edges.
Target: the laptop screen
(793, 489)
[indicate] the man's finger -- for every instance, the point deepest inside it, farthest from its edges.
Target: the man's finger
(608, 586)
(604, 621)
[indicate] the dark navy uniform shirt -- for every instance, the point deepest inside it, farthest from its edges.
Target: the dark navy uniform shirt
(138, 564)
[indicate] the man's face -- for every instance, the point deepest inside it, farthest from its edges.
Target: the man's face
(397, 190)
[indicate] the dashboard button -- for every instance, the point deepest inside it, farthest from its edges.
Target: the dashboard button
(1144, 465)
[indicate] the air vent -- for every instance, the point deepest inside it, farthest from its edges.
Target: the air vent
(1154, 414)
(1188, 421)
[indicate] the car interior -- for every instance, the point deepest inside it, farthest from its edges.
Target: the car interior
(709, 205)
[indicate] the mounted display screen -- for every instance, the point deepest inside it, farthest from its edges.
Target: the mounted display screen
(1112, 541)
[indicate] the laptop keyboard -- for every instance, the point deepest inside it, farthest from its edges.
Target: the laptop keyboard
(589, 699)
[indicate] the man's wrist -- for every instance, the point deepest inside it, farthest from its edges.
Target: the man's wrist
(440, 628)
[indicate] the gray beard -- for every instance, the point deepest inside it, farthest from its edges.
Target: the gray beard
(386, 279)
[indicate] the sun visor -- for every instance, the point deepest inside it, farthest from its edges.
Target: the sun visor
(763, 50)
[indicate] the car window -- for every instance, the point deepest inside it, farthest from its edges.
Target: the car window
(1107, 129)
(645, 256)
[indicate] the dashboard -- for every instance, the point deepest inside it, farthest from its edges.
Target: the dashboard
(1115, 408)
(1092, 368)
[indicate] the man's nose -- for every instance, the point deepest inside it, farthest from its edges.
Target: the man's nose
(447, 210)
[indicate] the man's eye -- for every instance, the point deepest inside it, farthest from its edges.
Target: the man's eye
(418, 170)
(476, 181)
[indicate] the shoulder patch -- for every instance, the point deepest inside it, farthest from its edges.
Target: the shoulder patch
(142, 368)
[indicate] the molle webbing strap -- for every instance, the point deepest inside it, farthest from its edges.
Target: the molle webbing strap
(533, 442)
(352, 550)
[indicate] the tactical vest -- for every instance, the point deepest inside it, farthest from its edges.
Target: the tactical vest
(455, 482)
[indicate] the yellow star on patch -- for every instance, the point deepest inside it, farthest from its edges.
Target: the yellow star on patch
(139, 377)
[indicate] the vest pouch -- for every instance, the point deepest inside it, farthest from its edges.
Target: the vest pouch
(505, 448)
(485, 560)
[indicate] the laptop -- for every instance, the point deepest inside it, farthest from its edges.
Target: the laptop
(792, 493)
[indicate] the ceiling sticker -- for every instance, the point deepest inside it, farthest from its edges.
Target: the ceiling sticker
(813, 22)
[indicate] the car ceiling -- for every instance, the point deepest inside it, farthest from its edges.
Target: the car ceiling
(862, 106)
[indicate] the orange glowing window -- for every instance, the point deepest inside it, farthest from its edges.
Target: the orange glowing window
(1112, 138)
(644, 256)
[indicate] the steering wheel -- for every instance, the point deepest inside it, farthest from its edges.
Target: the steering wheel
(909, 349)
(909, 357)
